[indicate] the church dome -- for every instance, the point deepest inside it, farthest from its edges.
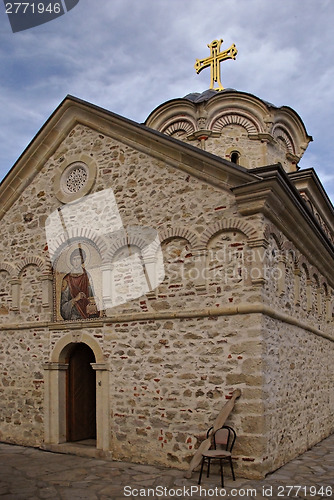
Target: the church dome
(236, 126)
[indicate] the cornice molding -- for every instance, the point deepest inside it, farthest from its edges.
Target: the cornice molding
(277, 198)
(307, 182)
(231, 310)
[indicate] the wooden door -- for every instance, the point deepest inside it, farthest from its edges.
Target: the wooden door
(81, 395)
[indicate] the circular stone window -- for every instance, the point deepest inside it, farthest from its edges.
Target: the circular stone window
(74, 179)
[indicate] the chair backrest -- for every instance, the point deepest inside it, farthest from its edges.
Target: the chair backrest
(224, 437)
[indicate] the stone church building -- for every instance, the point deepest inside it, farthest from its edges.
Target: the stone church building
(149, 270)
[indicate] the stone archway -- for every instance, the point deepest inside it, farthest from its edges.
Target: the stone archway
(55, 377)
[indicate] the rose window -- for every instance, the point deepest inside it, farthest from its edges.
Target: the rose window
(74, 178)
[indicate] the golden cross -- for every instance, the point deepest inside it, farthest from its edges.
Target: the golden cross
(214, 61)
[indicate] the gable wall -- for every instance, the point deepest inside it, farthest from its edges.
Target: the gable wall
(148, 193)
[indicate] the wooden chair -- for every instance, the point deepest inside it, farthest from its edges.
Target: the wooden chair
(223, 441)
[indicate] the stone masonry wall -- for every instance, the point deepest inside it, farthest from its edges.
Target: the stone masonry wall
(168, 377)
(187, 366)
(23, 353)
(252, 153)
(299, 381)
(169, 380)
(294, 285)
(299, 375)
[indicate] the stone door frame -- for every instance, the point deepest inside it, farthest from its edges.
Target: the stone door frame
(55, 392)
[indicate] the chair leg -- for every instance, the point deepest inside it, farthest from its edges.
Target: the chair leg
(221, 472)
(230, 459)
(201, 471)
(208, 472)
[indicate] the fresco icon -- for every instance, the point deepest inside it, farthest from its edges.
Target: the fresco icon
(98, 263)
(77, 299)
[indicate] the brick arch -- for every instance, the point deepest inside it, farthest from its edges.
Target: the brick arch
(302, 263)
(314, 272)
(279, 132)
(271, 230)
(324, 286)
(122, 243)
(180, 232)
(226, 225)
(249, 123)
(315, 277)
(74, 234)
(316, 298)
(184, 124)
(4, 266)
(290, 249)
(145, 238)
(41, 264)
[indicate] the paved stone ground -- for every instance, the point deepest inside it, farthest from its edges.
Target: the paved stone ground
(28, 473)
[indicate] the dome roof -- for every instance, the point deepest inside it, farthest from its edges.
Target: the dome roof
(200, 97)
(276, 133)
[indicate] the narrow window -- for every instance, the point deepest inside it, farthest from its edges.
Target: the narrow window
(235, 155)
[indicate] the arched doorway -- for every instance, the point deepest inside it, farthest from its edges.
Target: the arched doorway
(80, 394)
(56, 393)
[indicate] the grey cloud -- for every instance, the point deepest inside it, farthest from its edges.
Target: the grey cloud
(129, 56)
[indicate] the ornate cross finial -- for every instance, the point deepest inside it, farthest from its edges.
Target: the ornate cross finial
(214, 61)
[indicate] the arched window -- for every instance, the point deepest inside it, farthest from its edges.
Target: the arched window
(235, 155)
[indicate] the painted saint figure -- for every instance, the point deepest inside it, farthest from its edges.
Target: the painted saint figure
(77, 294)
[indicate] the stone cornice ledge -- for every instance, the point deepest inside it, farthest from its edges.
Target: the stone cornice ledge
(209, 312)
(308, 182)
(276, 197)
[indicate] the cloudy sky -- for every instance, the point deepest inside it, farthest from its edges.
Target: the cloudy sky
(129, 56)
